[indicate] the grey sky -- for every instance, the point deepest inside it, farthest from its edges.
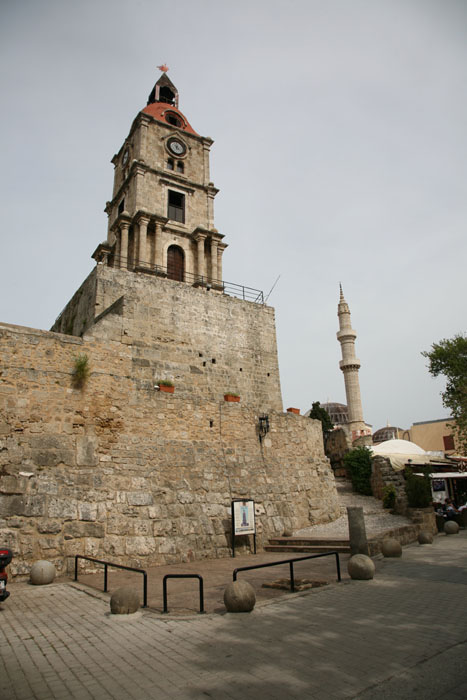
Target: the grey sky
(340, 152)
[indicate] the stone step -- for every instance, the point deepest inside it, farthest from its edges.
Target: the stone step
(309, 541)
(307, 549)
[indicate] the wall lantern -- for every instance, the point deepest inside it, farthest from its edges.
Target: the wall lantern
(263, 427)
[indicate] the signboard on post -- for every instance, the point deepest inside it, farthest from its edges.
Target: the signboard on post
(243, 520)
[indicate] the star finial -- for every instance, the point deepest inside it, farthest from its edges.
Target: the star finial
(164, 67)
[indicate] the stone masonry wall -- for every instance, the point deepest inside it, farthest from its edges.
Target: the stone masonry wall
(206, 343)
(120, 471)
(383, 474)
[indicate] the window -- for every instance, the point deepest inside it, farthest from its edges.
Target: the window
(121, 207)
(176, 206)
(180, 167)
(166, 95)
(173, 119)
(448, 442)
(170, 164)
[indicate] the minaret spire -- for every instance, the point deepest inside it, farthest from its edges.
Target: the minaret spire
(350, 366)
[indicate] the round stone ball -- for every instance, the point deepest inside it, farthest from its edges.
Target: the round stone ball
(239, 596)
(42, 572)
(361, 567)
(124, 601)
(391, 547)
(425, 537)
(451, 527)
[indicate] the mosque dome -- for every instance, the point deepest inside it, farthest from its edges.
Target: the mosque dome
(389, 432)
(338, 412)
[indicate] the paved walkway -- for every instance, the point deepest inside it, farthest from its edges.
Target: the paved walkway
(402, 635)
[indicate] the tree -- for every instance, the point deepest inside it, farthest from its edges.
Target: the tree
(319, 413)
(358, 464)
(449, 358)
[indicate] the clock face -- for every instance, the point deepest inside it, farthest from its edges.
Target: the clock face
(176, 147)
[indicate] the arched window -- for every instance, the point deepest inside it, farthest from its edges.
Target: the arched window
(175, 263)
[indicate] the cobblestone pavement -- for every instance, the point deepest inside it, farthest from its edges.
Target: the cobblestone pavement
(402, 635)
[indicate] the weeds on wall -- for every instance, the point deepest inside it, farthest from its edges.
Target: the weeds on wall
(389, 496)
(81, 371)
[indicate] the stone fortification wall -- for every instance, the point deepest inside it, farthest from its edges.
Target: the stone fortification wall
(79, 313)
(206, 343)
(120, 471)
(383, 474)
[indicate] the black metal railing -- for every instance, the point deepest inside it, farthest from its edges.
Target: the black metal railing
(230, 288)
(116, 566)
(201, 589)
(291, 562)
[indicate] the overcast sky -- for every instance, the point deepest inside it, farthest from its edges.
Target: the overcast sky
(340, 153)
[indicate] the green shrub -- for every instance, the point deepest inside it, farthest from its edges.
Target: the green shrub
(389, 496)
(165, 382)
(81, 371)
(418, 488)
(358, 464)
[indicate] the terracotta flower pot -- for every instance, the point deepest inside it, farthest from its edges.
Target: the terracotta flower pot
(167, 389)
(294, 410)
(231, 398)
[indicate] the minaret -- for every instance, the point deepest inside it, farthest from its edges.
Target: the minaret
(350, 366)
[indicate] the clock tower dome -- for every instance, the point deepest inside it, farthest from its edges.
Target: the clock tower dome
(161, 215)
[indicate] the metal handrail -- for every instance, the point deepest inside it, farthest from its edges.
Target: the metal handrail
(116, 566)
(231, 288)
(290, 562)
(201, 589)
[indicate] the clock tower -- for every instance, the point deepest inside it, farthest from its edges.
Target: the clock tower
(161, 215)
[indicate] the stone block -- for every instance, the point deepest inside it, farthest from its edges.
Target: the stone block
(64, 508)
(11, 505)
(86, 451)
(140, 498)
(87, 511)
(76, 529)
(47, 526)
(140, 546)
(10, 484)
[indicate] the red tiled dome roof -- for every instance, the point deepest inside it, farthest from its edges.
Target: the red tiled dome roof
(161, 111)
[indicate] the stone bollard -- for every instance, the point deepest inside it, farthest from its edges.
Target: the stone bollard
(361, 567)
(425, 537)
(239, 596)
(391, 547)
(124, 601)
(451, 527)
(42, 573)
(357, 531)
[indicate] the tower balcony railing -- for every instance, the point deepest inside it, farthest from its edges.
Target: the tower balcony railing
(239, 291)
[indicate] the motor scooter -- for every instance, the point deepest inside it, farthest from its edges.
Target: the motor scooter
(6, 555)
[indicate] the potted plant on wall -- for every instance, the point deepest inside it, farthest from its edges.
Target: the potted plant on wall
(166, 386)
(232, 397)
